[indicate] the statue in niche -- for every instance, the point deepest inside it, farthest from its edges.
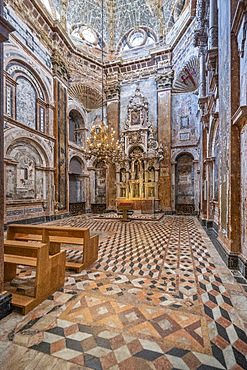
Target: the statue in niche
(123, 175)
(137, 169)
(136, 191)
(151, 174)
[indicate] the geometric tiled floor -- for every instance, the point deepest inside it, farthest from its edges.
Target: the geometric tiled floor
(153, 300)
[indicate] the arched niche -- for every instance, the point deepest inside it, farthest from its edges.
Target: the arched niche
(184, 184)
(76, 186)
(25, 175)
(215, 153)
(76, 128)
(26, 96)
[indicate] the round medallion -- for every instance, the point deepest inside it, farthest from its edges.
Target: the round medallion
(88, 35)
(137, 38)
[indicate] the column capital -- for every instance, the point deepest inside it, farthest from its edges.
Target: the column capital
(164, 80)
(59, 66)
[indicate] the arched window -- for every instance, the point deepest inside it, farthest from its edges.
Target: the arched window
(25, 102)
(76, 191)
(25, 97)
(76, 126)
(216, 165)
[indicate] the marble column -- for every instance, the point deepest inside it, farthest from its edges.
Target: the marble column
(60, 82)
(113, 124)
(164, 88)
(202, 82)
(5, 29)
(213, 25)
(61, 146)
(173, 185)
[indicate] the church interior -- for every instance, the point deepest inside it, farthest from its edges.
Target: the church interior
(123, 178)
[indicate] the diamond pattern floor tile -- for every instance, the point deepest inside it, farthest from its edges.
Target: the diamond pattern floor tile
(153, 300)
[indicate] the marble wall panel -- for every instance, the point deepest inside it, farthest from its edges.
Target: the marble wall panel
(26, 103)
(242, 47)
(185, 126)
(27, 37)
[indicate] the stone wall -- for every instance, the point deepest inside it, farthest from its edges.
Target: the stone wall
(185, 127)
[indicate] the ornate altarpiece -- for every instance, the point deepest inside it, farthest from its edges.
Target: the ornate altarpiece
(138, 164)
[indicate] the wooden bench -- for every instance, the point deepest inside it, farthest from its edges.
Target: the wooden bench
(50, 270)
(57, 236)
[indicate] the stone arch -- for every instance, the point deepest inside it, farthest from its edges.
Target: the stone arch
(27, 97)
(74, 153)
(31, 73)
(178, 152)
(12, 52)
(26, 177)
(15, 135)
(76, 127)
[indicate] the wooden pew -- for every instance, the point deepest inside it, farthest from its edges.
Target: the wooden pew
(50, 270)
(58, 235)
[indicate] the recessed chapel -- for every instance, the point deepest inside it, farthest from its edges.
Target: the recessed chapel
(123, 184)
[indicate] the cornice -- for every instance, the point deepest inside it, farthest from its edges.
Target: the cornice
(239, 118)
(5, 29)
(239, 15)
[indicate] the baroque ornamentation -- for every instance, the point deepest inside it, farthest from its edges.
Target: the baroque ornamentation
(139, 154)
(59, 67)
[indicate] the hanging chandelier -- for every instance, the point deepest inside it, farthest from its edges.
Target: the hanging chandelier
(101, 143)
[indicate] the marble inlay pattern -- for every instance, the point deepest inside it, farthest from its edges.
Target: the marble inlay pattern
(153, 300)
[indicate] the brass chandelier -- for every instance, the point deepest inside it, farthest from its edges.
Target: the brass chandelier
(101, 143)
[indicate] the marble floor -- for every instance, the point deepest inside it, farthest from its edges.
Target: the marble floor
(159, 297)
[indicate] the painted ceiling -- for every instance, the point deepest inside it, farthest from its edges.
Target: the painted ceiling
(86, 19)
